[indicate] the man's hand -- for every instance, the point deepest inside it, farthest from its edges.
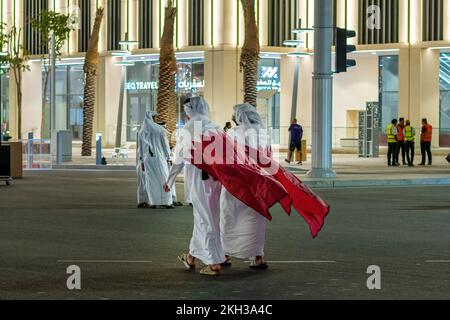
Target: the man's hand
(166, 188)
(142, 166)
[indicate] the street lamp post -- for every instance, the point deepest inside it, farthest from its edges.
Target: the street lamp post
(297, 55)
(322, 92)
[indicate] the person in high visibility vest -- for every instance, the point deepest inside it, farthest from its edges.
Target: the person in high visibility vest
(391, 132)
(401, 140)
(410, 138)
(425, 142)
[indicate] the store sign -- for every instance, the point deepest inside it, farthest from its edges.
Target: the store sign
(153, 85)
(136, 86)
(269, 79)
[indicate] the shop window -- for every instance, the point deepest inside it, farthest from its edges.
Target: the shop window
(433, 20)
(283, 17)
(69, 101)
(145, 23)
(196, 22)
(444, 105)
(388, 91)
(269, 96)
(85, 25)
(378, 21)
(114, 21)
(142, 89)
(32, 38)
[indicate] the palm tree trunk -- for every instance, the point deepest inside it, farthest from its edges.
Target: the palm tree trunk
(250, 53)
(90, 74)
(167, 102)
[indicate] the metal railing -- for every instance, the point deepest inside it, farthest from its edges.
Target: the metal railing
(342, 137)
(36, 154)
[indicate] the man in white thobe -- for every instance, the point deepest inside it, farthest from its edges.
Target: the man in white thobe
(243, 229)
(152, 168)
(204, 191)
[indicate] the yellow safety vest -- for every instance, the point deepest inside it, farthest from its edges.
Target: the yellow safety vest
(409, 134)
(390, 133)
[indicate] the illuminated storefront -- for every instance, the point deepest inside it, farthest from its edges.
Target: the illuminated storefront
(269, 87)
(142, 89)
(69, 100)
(444, 101)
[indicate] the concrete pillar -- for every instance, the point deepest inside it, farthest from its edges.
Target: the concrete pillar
(100, 113)
(447, 20)
(419, 89)
(223, 83)
(31, 100)
(12, 106)
(322, 92)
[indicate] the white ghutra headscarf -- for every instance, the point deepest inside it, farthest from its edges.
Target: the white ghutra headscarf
(247, 116)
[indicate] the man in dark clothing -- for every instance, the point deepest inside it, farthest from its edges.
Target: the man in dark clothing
(391, 132)
(296, 133)
(425, 142)
(401, 146)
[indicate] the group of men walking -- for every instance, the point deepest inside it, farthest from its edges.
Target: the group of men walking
(238, 230)
(231, 181)
(401, 137)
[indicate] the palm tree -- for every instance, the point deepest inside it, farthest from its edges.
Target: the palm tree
(167, 102)
(90, 73)
(250, 53)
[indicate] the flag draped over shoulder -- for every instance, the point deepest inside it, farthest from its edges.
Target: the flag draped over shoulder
(257, 180)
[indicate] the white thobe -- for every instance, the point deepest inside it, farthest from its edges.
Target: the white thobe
(154, 152)
(204, 195)
(243, 230)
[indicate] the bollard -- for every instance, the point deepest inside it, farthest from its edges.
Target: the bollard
(59, 148)
(98, 149)
(30, 150)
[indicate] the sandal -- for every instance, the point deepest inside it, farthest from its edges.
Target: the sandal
(227, 262)
(184, 260)
(259, 266)
(143, 205)
(209, 271)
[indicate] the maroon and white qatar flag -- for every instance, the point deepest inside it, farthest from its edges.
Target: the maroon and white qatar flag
(256, 179)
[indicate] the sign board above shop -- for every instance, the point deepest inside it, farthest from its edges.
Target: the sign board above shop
(269, 79)
(153, 85)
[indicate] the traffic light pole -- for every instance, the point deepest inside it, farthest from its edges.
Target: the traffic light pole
(322, 92)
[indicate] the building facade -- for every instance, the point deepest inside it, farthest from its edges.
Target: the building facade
(403, 62)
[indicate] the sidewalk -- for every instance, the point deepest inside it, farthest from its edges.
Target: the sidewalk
(351, 170)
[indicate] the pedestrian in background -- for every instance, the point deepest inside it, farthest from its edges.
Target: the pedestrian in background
(425, 142)
(227, 127)
(296, 133)
(410, 138)
(401, 146)
(391, 132)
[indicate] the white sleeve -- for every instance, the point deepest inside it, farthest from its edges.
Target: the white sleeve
(165, 144)
(174, 172)
(178, 162)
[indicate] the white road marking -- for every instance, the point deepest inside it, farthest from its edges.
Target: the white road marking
(103, 261)
(293, 262)
(437, 261)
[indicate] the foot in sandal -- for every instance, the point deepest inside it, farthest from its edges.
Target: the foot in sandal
(187, 260)
(259, 264)
(211, 270)
(227, 262)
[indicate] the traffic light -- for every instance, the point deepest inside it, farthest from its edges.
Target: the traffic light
(342, 49)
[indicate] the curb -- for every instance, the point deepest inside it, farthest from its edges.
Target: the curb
(327, 184)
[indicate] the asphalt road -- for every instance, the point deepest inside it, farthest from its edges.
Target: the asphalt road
(52, 220)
